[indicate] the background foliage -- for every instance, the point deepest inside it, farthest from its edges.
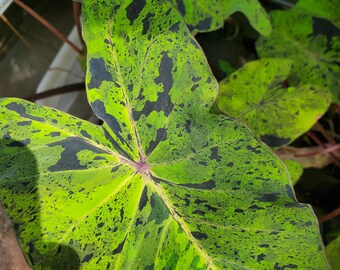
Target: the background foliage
(255, 94)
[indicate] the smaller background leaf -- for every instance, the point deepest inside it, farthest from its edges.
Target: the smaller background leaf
(333, 253)
(277, 115)
(329, 9)
(207, 15)
(313, 46)
(226, 67)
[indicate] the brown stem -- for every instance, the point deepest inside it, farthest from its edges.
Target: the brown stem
(47, 25)
(331, 149)
(330, 216)
(58, 91)
(316, 139)
(76, 15)
(326, 150)
(324, 133)
(22, 38)
(16, 32)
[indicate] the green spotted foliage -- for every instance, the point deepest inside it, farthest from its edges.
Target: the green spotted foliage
(277, 114)
(163, 183)
(329, 10)
(313, 46)
(333, 253)
(209, 15)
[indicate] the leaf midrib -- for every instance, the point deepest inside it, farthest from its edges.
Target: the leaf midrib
(210, 261)
(274, 99)
(305, 50)
(107, 198)
(185, 158)
(124, 91)
(160, 192)
(177, 218)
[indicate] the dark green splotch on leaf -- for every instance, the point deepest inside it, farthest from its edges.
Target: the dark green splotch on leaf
(68, 159)
(134, 9)
(163, 102)
(98, 69)
(22, 143)
(20, 109)
(275, 141)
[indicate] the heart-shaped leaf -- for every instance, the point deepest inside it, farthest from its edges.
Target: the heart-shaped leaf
(314, 48)
(207, 15)
(254, 94)
(162, 184)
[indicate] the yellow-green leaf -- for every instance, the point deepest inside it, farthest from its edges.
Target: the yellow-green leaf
(329, 10)
(333, 253)
(162, 184)
(255, 95)
(314, 48)
(208, 15)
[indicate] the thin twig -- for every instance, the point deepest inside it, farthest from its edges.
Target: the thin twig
(316, 139)
(330, 216)
(307, 156)
(324, 133)
(16, 32)
(47, 25)
(22, 38)
(76, 15)
(326, 150)
(331, 148)
(58, 91)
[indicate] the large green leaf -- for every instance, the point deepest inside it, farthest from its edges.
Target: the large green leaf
(314, 47)
(254, 94)
(208, 15)
(163, 184)
(329, 10)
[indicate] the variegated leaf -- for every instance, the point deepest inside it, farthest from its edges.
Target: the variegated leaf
(313, 47)
(207, 15)
(276, 114)
(329, 10)
(163, 184)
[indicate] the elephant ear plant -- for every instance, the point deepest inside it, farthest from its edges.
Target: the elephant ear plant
(163, 183)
